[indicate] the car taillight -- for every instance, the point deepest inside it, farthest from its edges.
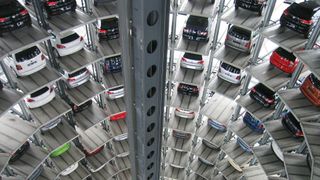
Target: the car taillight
(110, 92)
(201, 62)
(286, 12)
(307, 22)
(43, 57)
(102, 31)
(71, 79)
(24, 12)
(60, 46)
(29, 100)
(253, 90)
(18, 67)
(269, 100)
(183, 59)
(81, 38)
(291, 64)
(238, 77)
(299, 133)
(3, 19)
(247, 45)
(50, 3)
(178, 110)
(227, 37)
(118, 116)
(261, 126)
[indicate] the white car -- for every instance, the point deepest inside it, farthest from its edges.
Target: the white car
(184, 113)
(115, 93)
(27, 61)
(70, 169)
(230, 73)
(234, 164)
(77, 78)
(40, 97)
(67, 43)
(192, 61)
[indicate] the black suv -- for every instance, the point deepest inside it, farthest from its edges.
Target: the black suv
(197, 29)
(290, 123)
(108, 28)
(252, 5)
(263, 95)
(188, 89)
(301, 17)
(112, 64)
(13, 16)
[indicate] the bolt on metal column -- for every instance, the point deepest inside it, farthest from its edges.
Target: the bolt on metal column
(144, 30)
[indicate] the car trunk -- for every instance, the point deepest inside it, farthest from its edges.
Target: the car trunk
(41, 94)
(29, 58)
(79, 75)
(192, 58)
(71, 40)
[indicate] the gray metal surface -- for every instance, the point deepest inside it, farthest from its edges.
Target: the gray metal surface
(105, 173)
(194, 47)
(177, 159)
(109, 48)
(201, 169)
(101, 159)
(254, 172)
(80, 173)
(235, 152)
(268, 160)
(296, 166)
(4, 160)
(205, 152)
(189, 75)
(118, 127)
(123, 163)
(115, 106)
(126, 174)
(182, 124)
(311, 59)
(113, 79)
(281, 136)
(47, 174)
(121, 147)
(202, 8)
(233, 57)
(179, 144)
(173, 173)
(227, 170)
(86, 91)
(243, 18)
(299, 105)
(90, 116)
(105, 10)
(225, 88)
(255, 109)
(210, 134)
(8, 99)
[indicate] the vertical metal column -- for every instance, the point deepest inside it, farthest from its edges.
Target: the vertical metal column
(144, 30)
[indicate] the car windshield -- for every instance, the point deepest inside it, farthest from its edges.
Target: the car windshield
(10, 8)
(27, 54)
(69, 38)
(192, 56)
(302, 10)
(286, 54)
(315, 81)
(81, 71)
(240, 33)
(197, 21)
(230, 68)
(109, 23)
(264, 90)
(39, 92)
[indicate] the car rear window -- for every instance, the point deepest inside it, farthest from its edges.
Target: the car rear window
(293, 120)
(9, 8)
(197, 21)
(109, 23)
(230, 68)
(69, 38)
(78, 72)
(240, 33)
(301, 10)
(264, 90)
(192, 56)
(39, 92)
(286, 54)
(315, 81)
(27, 54)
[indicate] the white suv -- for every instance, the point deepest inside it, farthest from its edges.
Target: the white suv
(40, 97)
(77, 78)
(67, 43)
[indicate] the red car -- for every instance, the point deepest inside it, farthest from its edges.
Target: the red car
(118, 116)
(311, 89)
(284, 60)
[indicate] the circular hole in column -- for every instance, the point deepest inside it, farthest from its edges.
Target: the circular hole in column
(152, 70)
(151, 92)
(152, 46)
(152, 18)
(150, 176)
(150, 127)
(150, 142)
(151, 110)
(150, 154)
(150, 166)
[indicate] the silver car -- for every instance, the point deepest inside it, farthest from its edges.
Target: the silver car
(192, 61)
(115, 93)
(240, 39)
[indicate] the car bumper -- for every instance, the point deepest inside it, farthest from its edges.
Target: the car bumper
(70, 50)
(184, 115)
(229, 79)
(297, 27)
(7, 27)
(310, 96)
(282, 67)
(41, 102)
(237, 47)
(250, 6)
(53, 11)
(115, 96)
(31, 71)
(259, 100)
(78, 83)
(199, 67)
(70, 169)
(195, 37)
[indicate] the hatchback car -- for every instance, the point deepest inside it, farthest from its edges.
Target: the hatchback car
(310, 88)
(118, 116)
(240, 39)
(252, 5)
(181, 135)
(197, 28)
(217, 125)
(40, 97)
(50, 125)
(57, 7)
(77, 78)
(115, 93)
(112, 64)
(27, 61)
(20, 152)
(13, 16)
(184, 113)
(300, 17)
(230, 73)
(188, 89)
(284, 60)
(76, 109)
(192, 61)
(60, 150)
(67, 43)
(108, 28)
(253, 123)
(244, 145)
(70, 169)
(290, 123)
(263, 95)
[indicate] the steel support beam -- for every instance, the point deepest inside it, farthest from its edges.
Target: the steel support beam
(144, 30)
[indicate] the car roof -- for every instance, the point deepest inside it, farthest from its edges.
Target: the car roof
(65, 34)
(310, 5)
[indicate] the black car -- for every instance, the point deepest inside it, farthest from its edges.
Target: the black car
(77, 109)
(290, 123)
(263, 95)
(197, 29)
(112, 64)
(252, 5)
(22, 150)
(108, 28)
(301, 17)
(13, 16)
(57, 7)
(188, 89)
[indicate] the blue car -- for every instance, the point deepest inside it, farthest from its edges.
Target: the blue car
(217, 125)
(244, 145)
(253, 123)
(112, 64)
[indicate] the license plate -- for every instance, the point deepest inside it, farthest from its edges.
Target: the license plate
(32, 63)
